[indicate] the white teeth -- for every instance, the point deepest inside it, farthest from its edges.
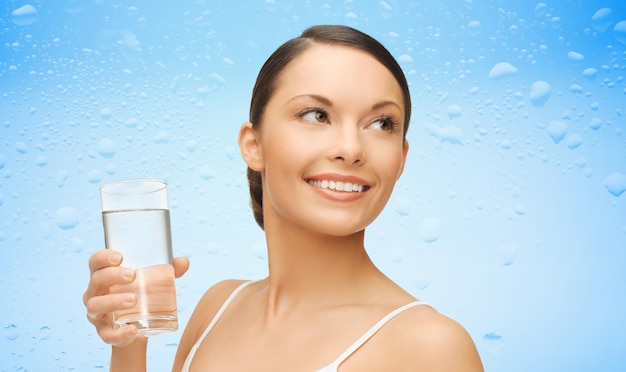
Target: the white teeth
(337, 185)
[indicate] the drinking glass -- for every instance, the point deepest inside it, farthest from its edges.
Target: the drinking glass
(136, 221)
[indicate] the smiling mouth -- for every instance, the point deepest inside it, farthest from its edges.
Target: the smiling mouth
(338, 185)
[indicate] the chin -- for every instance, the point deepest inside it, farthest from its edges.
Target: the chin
(338, 229)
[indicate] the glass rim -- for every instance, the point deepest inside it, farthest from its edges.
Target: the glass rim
(162, 185)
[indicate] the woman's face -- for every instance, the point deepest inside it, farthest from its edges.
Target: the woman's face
(331, 143)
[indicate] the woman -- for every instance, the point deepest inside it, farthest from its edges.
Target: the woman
(325, 145)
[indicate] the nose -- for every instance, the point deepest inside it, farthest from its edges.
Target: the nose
(348, 146)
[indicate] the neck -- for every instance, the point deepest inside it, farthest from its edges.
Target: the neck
(311, 269)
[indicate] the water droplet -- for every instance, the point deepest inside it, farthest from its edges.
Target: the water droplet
(94, 176)
(397, 256)
(519, 209)
(557, 130)
(540, 9)
(131, 123)
(506, 144)
(62, 177)
(492, 342)
(421, 279)
(67, 218)
(21, 147)
(24, 15)
(575, 56)
(539, 93)
(106, 113)
(451, 134)
(162, 137)
(620, 32)
(403, 206)
(502, 69)
(429, 229)
(454, 111)
(479, 204)
(615, 183)
(405, 58)
(10, 332)
(595, 124)
(45, 230)
(3, 161)
(492, 336)
(590, 73)
(77, 244)
(508, 253)
(192, 145)
(41, 161)
(106, 148)
(44, 333)
(474, 28)
(602, 19)
(111, 169)
(206, 173)
(259, 250)
(576, 89)
(574, 141)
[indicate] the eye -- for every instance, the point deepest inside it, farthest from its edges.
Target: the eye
(317, 115)
(386, 124)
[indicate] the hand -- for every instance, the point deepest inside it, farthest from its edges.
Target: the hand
(105, 269)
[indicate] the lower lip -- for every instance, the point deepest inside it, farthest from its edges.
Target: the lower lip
(338, 195)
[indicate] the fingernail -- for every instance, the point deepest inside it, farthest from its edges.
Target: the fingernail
(128, 273)
(115, 258)
(129, 298)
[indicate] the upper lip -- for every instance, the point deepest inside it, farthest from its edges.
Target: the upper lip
(338, 178)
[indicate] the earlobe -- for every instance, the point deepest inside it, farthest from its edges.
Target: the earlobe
(250, 147)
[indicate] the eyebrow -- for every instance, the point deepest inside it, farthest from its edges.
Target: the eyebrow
(329, 103)
(316, 97)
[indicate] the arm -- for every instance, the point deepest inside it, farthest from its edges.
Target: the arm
(130, 357)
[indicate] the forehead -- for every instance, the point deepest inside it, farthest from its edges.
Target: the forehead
(338, 70)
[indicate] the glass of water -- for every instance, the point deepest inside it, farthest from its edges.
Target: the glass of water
(136, 222)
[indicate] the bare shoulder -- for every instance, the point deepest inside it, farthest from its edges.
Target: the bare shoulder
(205, 310)
(423, 337)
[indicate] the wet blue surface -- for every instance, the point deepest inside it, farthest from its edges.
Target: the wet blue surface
(510, 216)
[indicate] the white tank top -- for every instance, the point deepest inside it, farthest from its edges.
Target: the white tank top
(332, 367)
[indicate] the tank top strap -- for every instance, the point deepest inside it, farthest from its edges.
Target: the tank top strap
(216, 317)
(371, 332)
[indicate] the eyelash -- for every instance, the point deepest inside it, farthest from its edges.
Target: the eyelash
(389, 120)
(311, 110)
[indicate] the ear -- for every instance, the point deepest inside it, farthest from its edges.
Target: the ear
(405, 151)
(250, 147)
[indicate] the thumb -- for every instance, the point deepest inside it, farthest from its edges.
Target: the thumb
(181, 264)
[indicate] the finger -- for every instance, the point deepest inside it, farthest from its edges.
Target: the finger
(102, 280)
(104, 258)
(100, 306)
(181, 265)
(118, 336)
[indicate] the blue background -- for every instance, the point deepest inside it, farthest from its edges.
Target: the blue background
(510, 216)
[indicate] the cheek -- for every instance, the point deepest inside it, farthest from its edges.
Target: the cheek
(389, 161)
(284, 158)
(286, 147)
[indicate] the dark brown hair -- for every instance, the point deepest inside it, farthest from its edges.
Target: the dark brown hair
(270, 72)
